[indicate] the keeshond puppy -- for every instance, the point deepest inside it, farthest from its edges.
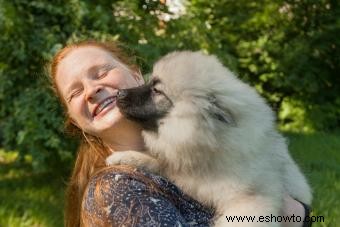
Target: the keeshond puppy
(214, 136)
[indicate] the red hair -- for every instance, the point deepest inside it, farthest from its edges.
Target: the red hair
(91, 153)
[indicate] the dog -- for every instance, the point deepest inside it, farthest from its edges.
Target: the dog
(214, 136)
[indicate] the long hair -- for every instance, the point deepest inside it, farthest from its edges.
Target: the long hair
(91, 151)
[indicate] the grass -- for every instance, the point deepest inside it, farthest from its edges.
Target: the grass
(32, 199)
(318, 155)
(27, 198)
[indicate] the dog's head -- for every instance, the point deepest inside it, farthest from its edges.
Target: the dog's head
(193, 99)
(177, 78)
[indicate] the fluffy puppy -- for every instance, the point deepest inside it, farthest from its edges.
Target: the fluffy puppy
(214, 136)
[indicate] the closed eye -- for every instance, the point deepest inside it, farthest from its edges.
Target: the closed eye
(103, 74)
(74, 93)
(156, 91)
(106, 69)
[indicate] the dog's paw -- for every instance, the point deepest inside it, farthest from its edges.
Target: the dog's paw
(120, 158)
(135, 159)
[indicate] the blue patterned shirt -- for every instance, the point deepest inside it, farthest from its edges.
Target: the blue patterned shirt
(116, 197)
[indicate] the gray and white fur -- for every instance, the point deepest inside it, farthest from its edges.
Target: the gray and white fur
(214, 136)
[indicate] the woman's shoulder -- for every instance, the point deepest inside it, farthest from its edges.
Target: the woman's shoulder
(114, 192)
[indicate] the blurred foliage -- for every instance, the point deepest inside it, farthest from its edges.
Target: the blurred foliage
(287, 49)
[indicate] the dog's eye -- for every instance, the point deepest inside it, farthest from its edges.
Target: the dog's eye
(156, 91)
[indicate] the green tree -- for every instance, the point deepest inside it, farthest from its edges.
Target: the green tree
(288, 50)
(32, 31)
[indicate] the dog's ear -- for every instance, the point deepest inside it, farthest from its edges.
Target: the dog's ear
(220, 113)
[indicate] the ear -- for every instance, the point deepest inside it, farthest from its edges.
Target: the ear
(219, 113)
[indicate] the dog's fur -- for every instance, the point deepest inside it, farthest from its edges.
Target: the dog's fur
(214, 136)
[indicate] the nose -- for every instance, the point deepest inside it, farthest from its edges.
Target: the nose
(121, 94)
(92, 91)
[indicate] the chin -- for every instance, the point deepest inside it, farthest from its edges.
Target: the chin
(107, 122)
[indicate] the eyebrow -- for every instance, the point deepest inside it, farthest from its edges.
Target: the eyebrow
(94, 69)
(91, 71)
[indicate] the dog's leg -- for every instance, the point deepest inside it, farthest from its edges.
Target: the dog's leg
(134, 158)
(250, 211)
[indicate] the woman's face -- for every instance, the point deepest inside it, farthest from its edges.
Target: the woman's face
(88, 79)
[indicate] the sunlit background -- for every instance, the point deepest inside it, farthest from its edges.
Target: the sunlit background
(289, 50)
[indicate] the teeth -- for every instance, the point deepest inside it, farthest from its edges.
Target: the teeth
(103, 105)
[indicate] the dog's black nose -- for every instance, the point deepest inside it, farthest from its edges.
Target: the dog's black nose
(121, 94)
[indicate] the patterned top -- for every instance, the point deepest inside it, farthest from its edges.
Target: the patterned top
(115, 197)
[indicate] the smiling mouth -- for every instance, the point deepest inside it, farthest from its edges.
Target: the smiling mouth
(103, 105)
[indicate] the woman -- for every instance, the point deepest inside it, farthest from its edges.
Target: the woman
(86, 77)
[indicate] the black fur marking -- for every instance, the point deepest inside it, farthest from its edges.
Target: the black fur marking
(138, 104)
(220, 113)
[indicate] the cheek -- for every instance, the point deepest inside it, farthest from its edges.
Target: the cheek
(76, 109)
(131, 82)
